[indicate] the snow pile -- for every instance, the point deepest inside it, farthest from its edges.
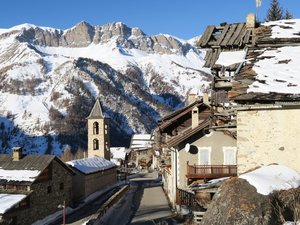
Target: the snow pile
(285, 28)
(8, 201)
(91, 165)
(229, 58)
(274, 177)
(282, 76)
(19, 175)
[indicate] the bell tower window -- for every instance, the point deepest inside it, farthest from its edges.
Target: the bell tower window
(95, 128)
(96, 144)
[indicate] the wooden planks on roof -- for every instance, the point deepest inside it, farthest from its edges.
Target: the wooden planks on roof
(229, 35)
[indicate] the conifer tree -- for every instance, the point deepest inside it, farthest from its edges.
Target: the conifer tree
(288, 15)
(275, 11)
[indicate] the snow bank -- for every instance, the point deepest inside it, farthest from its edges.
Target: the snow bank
(7, 201)
(19, 175)
(274, 177)
(91, 165)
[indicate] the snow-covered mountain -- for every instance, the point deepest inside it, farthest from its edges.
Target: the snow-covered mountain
(49, 79)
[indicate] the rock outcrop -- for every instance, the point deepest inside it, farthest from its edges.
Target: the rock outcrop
(238, 203)
(84, 34)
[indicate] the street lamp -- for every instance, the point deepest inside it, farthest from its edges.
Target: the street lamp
(64, 212)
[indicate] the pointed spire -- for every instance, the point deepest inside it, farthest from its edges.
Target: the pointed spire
(96, 111)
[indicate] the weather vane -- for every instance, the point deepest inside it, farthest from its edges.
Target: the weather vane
(258, 4)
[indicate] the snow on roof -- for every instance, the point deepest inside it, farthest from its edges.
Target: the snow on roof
(9, 200)
(143, 141)
(285, 28)
(141, 137)
(118, 152)
(232, 57)
(283, 74)
(19, 175)
(91, 165)
(274, 177)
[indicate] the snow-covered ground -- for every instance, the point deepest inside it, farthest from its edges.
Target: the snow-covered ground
(274, 177)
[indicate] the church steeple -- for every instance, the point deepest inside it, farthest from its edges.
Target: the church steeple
(98, 133)
(96, 112)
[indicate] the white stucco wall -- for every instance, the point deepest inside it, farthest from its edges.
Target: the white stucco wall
(266, 136)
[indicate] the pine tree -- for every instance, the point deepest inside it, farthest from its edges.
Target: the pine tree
(275, 11)
(288, 15)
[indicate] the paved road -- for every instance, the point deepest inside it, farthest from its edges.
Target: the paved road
(154, 208)
(144, 204)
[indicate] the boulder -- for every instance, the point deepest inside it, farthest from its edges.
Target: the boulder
(238, 203)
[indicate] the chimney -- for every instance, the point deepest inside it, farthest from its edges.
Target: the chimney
(206, 99)
(195, 117)
(17, 153)
(250, 21)
(192, 96)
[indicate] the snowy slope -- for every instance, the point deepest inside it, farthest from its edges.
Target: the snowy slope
(47, 75)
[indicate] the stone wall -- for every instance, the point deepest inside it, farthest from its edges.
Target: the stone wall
(267, 136)
(43, 203)
(85, 185)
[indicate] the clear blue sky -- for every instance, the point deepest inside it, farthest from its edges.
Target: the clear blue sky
(182, 18)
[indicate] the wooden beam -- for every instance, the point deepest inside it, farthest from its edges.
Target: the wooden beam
(206, 36)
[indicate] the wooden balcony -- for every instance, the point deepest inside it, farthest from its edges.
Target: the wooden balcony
(210, 171)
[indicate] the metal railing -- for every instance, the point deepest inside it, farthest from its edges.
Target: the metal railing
(186, 198)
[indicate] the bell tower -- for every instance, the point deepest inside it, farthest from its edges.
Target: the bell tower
(98, 133)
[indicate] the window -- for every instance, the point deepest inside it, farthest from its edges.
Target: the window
(61, 186)
(95, 128)
(229, 155)
(49, 189)
(96, 144)
(204, 155)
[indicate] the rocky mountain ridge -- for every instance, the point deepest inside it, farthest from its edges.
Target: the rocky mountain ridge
(50, 78)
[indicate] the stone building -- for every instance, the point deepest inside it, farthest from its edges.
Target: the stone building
(255, 68)
(32, 187)
(268, 134)
(92, 175)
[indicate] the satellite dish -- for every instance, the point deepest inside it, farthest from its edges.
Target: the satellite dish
(187, 147)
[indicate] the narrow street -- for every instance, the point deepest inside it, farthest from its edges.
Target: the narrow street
(145, 203)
